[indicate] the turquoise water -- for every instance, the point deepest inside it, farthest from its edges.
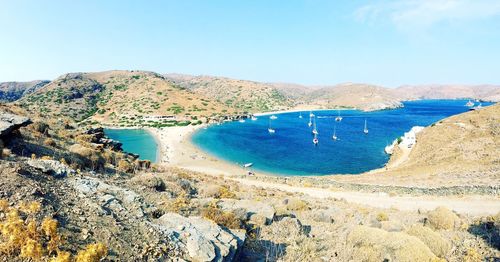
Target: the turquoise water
(137, 141)
(290, 150)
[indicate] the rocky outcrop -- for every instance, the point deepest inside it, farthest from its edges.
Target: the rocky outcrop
(10, 122)
(51, 167)
(203, 239)
(98, 137)
(258, 213)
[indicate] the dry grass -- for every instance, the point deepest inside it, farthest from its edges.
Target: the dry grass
(296, 204)
(382, 217)
(472, 256)
(222, 218)
(93, 253)
(443, 218)
(49, 142)
(438, 245)
(24, 237)
(125, 166)
(179, 204)
(373, 244)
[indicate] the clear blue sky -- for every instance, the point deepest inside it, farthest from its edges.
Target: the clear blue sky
(310, 42)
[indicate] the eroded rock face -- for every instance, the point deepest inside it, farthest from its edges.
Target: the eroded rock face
(203, 239)
(10, 122)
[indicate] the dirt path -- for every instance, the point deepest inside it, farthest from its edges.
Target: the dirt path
(472, 205)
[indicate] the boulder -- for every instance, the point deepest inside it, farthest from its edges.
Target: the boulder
(121, 202)
(10, 122)
(257, 212)
(203, 239)
(51, 167)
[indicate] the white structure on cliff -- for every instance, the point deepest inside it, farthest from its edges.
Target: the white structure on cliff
(407, 140)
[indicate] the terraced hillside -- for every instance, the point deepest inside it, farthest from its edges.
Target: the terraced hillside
(119, 97)
(360, 96)
(12, 91)
(241, 95)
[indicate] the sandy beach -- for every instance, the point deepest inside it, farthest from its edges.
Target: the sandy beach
(177, 150)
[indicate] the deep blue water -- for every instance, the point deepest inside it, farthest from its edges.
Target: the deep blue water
(290, 150)
(137, 141)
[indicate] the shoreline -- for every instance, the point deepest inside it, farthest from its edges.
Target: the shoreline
(176, 149)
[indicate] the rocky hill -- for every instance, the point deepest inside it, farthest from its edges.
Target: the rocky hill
(12, 91)
(241, 95)
(360, 96)
(119, 97)
(482, 92)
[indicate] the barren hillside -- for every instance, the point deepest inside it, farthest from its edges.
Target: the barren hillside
(361, 96)
(483, 92)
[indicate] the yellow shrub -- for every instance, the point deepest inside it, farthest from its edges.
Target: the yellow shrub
(84, 139)
(93, 253)
(220, 217)
(442, 218)
(125, 166)
(181, 203)
(23, 237)
(62, 257)
(438, 245)
(382, 217)
(472, 256)
(30, 208)
(4, 205)
(295, 204)
(225, 192)
(49, 142)
(31, 249)
(49, 227)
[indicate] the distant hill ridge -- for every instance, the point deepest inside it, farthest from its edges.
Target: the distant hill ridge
(125, 97)
(11, 91)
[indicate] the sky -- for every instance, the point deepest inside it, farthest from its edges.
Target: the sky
(312, 42)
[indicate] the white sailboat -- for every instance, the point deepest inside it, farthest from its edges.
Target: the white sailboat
(334, 137)
(469, 104)
(254, 118)
(273, 117)
(311, 114)
(269, 129)
(300, 114)
(366, 128)
(314, 131)
(242, 120)
(338, 118)
(310, 121)
(315, 140)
